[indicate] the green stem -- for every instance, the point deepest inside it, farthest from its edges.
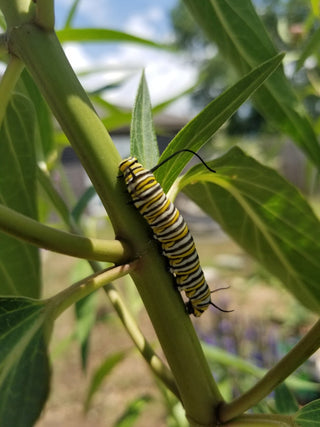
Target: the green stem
(64, 299)
(50, 69)
(155, 363)
(25, 228)
(8, 83)
(45, 14)
(286, 366)
(17, 12)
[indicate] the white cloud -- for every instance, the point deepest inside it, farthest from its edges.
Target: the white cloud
(145, 24)
(167, 74)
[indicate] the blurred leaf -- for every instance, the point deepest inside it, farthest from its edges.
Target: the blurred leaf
(144, 143)
(309, 415)
(24, 365)
(103, 35)
(71, 13)
(200, 129)
(44, 127)
(86, 310)
(311, 47)
(133, 412)
(82, 203)
(241, 38)
(19, 261)
(265, 215)
(285, 401)
(216, 355)
(101, 373)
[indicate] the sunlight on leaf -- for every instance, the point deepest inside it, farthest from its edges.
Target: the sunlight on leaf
(19, 261)
(144, 143)
(200, 129)
(265, 215)
(242, 39)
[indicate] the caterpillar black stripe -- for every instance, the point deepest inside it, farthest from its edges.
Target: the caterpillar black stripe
(171, 230)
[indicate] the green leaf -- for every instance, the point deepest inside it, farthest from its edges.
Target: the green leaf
(24, 366)
(216, 355)
(71, 13)
(311, 47)
(144, 143)
(241, 38)
(309, 415)
(44, 129)
(285, 401)
(85, 311)
(82, 203)
(200, 129)
(19, 261)
(101, 373)
(103, 35)
(133, 412)
(265, 215)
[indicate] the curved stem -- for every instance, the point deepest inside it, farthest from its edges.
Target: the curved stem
(64, 299)
(47, 63)
(8, 83)
(157, 366)
(288, 364)
(25, 228)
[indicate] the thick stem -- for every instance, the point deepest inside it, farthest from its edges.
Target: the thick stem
(50, 69)
(25, 228)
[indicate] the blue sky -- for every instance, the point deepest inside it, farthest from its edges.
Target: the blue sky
(167, 73)
(119, 14)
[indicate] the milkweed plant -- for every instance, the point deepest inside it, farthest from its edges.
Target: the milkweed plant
(259, 209)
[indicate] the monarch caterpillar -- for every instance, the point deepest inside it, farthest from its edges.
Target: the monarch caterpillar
(171, 230)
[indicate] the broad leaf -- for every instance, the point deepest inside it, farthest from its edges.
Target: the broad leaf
(144, 144)
(200, 129)
(241, 38)
(266, 215)
(309, 415)
(24, 366)
(44, 136)
(19, 261)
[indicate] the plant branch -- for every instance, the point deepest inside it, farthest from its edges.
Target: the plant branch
(64, 299)
(286, 366)
(25, 228)
(8, 83)
(47, 63)
(45, 14)
(157, 366)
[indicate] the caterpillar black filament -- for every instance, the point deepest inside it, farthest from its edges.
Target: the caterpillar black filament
(171, 230)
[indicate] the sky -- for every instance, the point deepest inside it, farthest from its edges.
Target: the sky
(167, 74)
